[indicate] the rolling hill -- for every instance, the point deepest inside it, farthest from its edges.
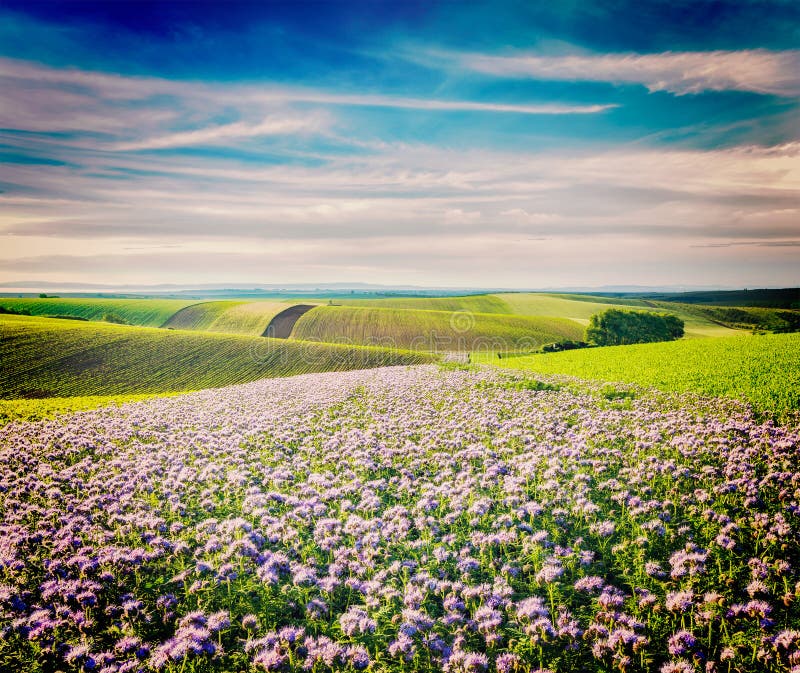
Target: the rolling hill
(480, 303)
(144, 312)
(44, 357)
(576, 307)
(432, 330)
(230, 317)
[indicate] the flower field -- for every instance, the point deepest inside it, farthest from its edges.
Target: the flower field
(401, 519)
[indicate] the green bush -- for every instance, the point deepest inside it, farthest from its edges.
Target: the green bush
(563, 346)
(617, 327)
(115, 319)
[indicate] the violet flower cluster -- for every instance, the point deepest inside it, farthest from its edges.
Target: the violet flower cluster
(401, 519)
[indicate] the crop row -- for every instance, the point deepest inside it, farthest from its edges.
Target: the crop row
(764, 370)
(53, 358)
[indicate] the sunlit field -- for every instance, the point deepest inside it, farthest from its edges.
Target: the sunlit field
(401, 519)
(763, 370)
(390, 336)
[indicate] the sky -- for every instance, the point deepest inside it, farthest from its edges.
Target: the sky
(462, 144)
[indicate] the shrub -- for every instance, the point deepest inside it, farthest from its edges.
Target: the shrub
(615, 327)
(114, 318)
(564, 346)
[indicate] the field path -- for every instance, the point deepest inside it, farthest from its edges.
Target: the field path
(281, 326)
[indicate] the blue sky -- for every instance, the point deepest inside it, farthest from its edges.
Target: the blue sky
(515, 144)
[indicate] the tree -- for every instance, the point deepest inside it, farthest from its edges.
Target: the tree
(615, 327)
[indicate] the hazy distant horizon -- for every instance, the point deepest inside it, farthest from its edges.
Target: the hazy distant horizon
(484, 144)
(247, 289)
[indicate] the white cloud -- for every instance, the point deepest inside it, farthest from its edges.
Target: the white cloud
(148, 110)
(757, 70)
(409, 209)
(271, 126)
(367, 100)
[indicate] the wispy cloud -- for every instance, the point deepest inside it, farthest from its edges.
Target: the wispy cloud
(367, 100)
(36, 97)
(755, 70)
(741, 194)
(292, 179)
(750, 244)
(273, 125)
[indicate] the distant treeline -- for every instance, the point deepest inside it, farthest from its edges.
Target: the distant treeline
(765, 298)
(751, 318)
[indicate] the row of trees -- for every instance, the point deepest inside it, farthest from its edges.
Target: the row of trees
(616, 327)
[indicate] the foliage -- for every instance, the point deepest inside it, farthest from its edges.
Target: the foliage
(564, 346)
(764, 370)
(615, 327)
(115, 319)
(48, 358)
(401, 520)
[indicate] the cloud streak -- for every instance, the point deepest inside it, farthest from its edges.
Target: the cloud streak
(36, 97)
(271, 126)
(175, 178)
(756, 70)
(746, 193)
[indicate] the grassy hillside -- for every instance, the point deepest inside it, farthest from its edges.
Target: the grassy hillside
(251, 318)
(230, 316)
(146, 312)
(765, 370)
(565, 306)
(432, 330)
(581, 307)
(740, 317)
(483, 303)
(199, 316)
(42, 357)
(767, 298)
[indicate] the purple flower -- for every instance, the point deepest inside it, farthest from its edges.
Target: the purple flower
(681, 643)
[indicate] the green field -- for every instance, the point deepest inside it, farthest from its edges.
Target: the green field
(249, 317)
(581, 307)
(481, 303)
(50, 407)
(145, 312)
(763, 370)
(432, 330)
(565, 306)
(43, 357)
(737, 317)
(231, 317)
